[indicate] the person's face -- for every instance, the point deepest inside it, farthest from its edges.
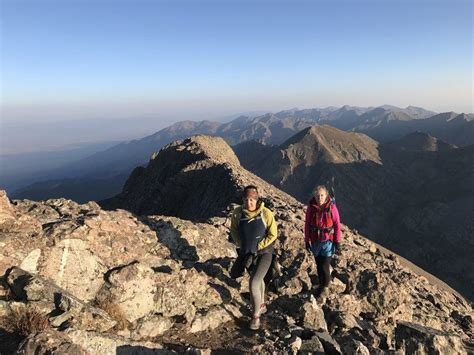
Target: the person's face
(250, 203)
(321, 196)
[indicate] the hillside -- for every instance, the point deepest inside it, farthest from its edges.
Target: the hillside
(317, 154)
(116, 281)
(414, 195)
(194, 179)
(419, 141)
(384, 123)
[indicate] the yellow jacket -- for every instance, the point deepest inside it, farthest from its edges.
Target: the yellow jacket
(267, 217)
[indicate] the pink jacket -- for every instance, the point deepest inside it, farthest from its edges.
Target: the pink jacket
(316, 220)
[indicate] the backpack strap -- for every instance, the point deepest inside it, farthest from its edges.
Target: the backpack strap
(263, 218)
(261, 215)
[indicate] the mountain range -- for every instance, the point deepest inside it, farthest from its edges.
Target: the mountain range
(415, 188)
(383, 123)
(148, 271)
(414, 196)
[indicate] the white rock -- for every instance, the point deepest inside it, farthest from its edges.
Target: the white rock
(30, 263)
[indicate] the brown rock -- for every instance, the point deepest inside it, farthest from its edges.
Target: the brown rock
(49, 343)
(313, 315)
(48, 297)
(211, 320)
(414, 338)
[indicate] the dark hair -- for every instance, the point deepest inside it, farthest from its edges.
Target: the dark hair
(250, 187)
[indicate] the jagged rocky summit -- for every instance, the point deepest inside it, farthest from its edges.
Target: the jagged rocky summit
(123, 281)
(195, 178)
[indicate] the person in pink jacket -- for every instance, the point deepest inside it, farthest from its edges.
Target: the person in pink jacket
(322, 234)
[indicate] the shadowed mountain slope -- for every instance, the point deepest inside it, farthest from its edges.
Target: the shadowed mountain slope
(121, 282)
(195, 179)
(384, 123)
(419, 141)
(414, 196)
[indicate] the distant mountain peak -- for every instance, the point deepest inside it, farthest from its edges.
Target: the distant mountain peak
(420, 141)
(334, 144)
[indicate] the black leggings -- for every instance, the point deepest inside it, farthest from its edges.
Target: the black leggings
(323, 266)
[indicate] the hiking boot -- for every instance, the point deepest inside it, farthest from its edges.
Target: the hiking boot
(263, 308)
(255, 323)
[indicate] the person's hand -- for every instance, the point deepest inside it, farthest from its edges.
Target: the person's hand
(248, 260)
(308, 246)
(337, 248)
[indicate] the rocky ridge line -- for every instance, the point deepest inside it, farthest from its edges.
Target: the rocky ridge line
(115, 281)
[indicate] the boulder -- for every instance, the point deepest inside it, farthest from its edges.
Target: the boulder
(313, 315)
(355, 347)
(312, 346)
(295, 344)
(152, 326)
(192, 241)
(104, 344)
(49, 298)
(49, 342)
(329, 344)
(414, 338)
(211, 320)
(73, 266)
(138, 290)
(7, 213)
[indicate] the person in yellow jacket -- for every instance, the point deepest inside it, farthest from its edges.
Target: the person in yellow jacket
(254, 230)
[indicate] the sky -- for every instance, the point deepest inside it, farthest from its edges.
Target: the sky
(172, 60)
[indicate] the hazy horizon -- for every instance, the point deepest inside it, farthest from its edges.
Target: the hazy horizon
(20, 137)
(147, 64)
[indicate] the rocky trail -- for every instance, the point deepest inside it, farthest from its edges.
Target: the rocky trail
(80, 279)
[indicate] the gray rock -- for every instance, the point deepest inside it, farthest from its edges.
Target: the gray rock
(329, 344)
(152, 327)
(211, 320)
(60, 320)
(48, 297)
(312, 346)
(355, 347)
(49, 342)
(73, 267)
(96, 343)
(313, 315)
(415, 338)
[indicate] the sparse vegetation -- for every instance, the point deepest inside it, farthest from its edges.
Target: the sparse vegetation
(26, 320)
(114, 312)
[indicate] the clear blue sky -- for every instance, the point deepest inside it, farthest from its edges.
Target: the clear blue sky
(191, 59)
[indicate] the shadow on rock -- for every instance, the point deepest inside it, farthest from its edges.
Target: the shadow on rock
(18, 284)
(9, 341)
(139, 350)
(170, 237)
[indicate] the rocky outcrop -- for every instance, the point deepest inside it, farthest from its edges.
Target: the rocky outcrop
(196, 178)
(117, 282)
(413, 338)
(168, 283)
(49, 299)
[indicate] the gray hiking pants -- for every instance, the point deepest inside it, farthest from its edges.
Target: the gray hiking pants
(257, 284)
